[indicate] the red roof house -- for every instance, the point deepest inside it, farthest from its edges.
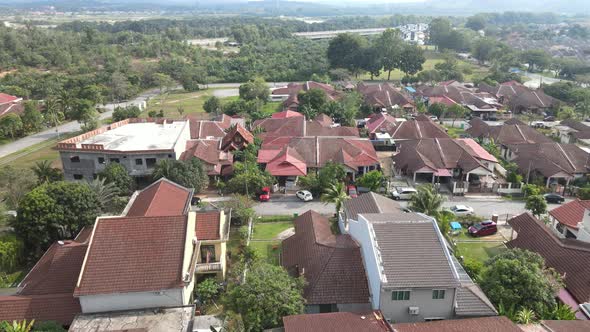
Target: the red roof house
(286, 114)
(237, 138)
(208, 225)
(337, 322)
(210, 153)
(10, 104)
(571, 213)
(161, 198)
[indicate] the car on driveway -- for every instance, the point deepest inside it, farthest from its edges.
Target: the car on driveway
(264, 195)
(462, 210)
(483, 228)
(304, 195)
(554, 198)
(352, 192)
(403, 193)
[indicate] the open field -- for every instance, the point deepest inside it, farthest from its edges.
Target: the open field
(191, 102)
(265, 241)
(480, 250)
(35, 153)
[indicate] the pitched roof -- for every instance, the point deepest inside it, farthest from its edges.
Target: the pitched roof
(134, 254)
(551, 158)
(471, 301)
(331, 264)
(286, 114)
(571, 213)
(236, 132)
(485, 324)
(370, 203)
(299, 127)
(532, 99)
(295, 88)
(207, 225)
(567, 325)
(210, 152)
(381, 122)
(6, 98)
(161, 198)
(476, 150)
(418, 128)
(8, 108)
(569, 257)
(287, 163)
(336, 322)
(402, 243)
(61, 308)
(209, 128)
(441, 100)
(511, 132)
(324, 120)
(436, 154)
(384, 95)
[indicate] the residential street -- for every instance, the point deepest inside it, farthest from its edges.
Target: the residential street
(485, 207)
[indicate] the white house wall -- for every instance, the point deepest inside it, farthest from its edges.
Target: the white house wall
(131, 301)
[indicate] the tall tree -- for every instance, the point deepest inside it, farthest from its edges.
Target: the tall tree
(411, 60)
(15, 183)
(188, 173)
(46, 173)
(117, 174)
(440, 28)
(314, 98)
(255, 89)
(344, 51)
(536, 204)
(476, 23)
(426, 200)
(31, 118)
(11, 125)
(105, 192)
(213, 105)
(335, 193)
(389, 46)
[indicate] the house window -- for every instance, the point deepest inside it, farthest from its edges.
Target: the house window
(438, 294)
(138, 161)
(169, 156)
(75, 159)
(208, 253)
(78, 177)
(150, 162)
(400, 295)
(101, 160)
(114, 160)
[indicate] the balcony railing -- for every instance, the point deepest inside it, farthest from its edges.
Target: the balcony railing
(209, 267)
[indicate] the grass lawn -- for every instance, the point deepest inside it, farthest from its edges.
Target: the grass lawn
(270, 230)
(268, 250)
(455, 132)
(29, 156)
(480, 251)
(191, 102)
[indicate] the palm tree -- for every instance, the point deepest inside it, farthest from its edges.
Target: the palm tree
(525, 316)
(105, 192)
(426, 200)
(17, 326)
(336, 194)
(163, 169)
(45, 172)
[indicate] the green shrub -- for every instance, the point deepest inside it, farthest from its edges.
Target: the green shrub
(275, 218)
(11, 250)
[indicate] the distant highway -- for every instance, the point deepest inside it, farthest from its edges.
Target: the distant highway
(334, 33)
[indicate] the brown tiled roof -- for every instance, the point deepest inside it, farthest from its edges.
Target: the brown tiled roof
(61, 308)
(384, 95)
(569, 257)
(404, 242)
(551, 158)
(370, 203)
(471, 301)
(295, 88)
(485, 324)
(381, 122)
(511, 132)
(571, 213)
(421, 127)
(316, 128)
(209, 128)
(161, 198)
(531, 99)
(207, 226)
(299, 127)
(331, 264)
(337, 322)
(16, 108)
(324, 120)
(134, 254)
(209, 152)
(229, 140)
(435, 154)
(567, 325)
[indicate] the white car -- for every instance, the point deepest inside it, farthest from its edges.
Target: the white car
(304, 195)
(403, 193)
(462, 210)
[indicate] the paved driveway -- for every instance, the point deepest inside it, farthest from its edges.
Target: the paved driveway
(289, 204)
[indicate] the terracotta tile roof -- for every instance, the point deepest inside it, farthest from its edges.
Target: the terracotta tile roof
(331, 264)
(381, 122)
(6, 98)
(551, 158)
(61, 308)
(511, 132)
(568, 257)
(299, 127)
(293, 89)
(209, 128)
(567, 325)
(134, 254)
(485, 324)
(384, 95)
(207, 226)
(57, 271)
(239, 133)
(210, 152)
(337, 322)
(476, 150)
(316, 128)
(287, 163)
(471, 301)
(324, 120)
(161, 198)
(370, 203)
(16, 108)
(286, 114)
(571, 213)
(435, 154)
(441, 100)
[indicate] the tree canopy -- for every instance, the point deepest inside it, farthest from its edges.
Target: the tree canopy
(189, 173)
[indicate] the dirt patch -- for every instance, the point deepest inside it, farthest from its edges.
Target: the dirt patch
(6, 72)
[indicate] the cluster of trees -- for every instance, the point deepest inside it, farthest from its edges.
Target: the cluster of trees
(388, 52)
(30, 120)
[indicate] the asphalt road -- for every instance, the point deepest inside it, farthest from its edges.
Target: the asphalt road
(485, 206)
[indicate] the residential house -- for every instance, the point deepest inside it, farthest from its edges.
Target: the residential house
(445, 160)
(46, 292)
(379, 126)
(480, 104)
(371, 321)
(290, 157)
(297, 126)
(386, 97)
(553, 163)
(569, 257)
(411, 273)
(509, 134)
(139, 144)
(331, 265)
(291, 92)
(212, 233)
(519, 98)
(483, 324)
(572, 220)
(571, 131)
(418, 128)
(10, 104)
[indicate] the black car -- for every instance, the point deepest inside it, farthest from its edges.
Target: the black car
(554, 198)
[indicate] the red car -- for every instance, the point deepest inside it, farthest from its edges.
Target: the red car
(484, 228)
(264, 194)
(351, 191)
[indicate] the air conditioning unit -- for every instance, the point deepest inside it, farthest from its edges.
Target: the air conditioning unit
(414, 311)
